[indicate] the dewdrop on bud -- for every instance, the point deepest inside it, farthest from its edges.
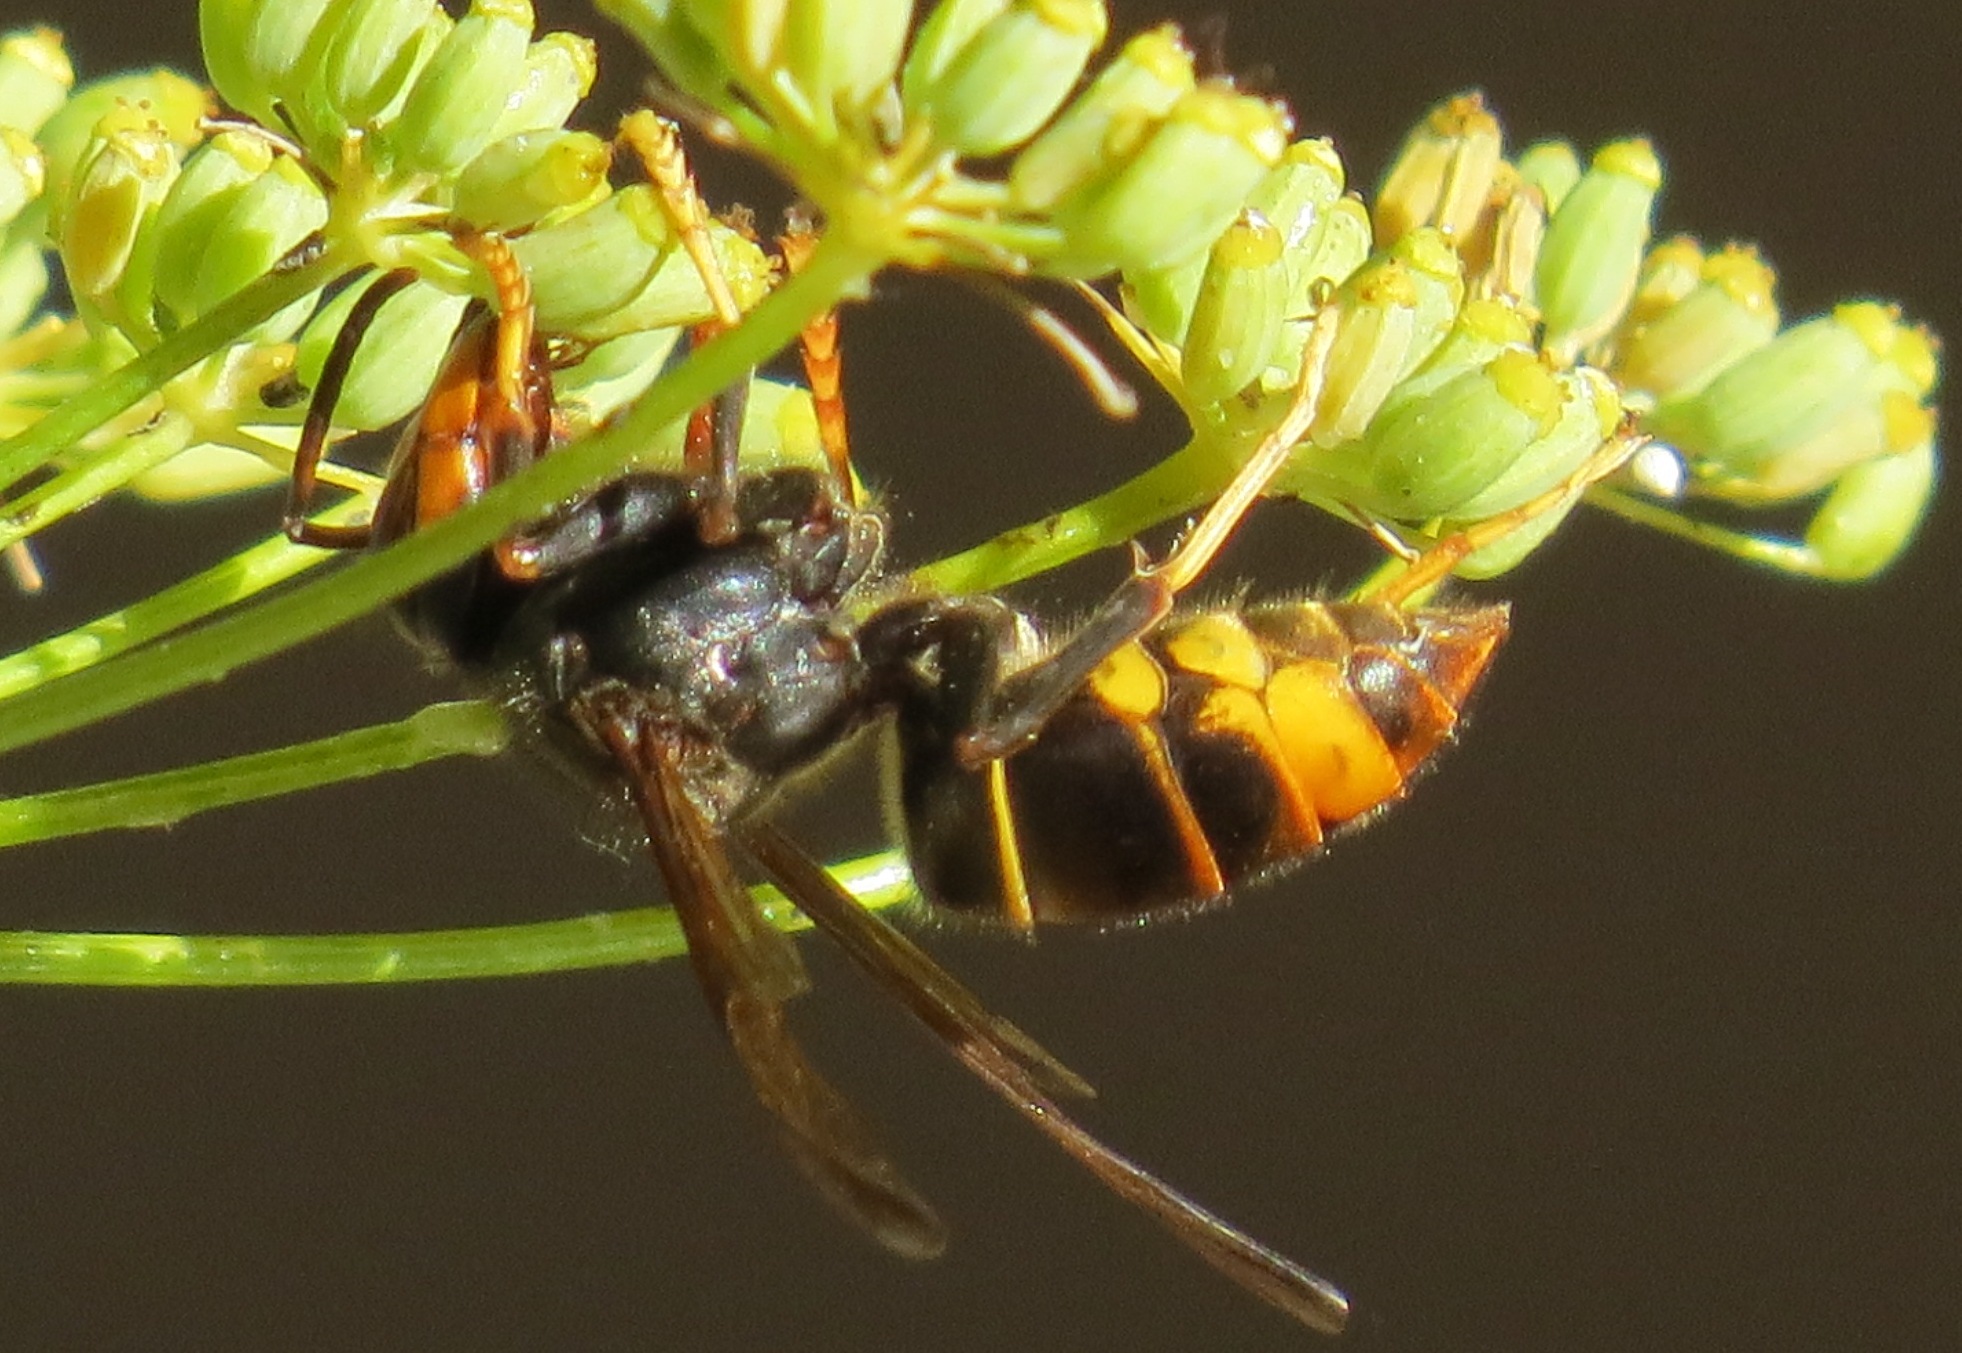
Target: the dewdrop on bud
(1010, 77)
(1592, 253)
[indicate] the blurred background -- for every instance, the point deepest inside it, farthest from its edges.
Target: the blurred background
(1635, 1029)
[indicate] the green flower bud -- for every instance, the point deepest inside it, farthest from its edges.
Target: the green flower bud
(746, 34)
(372, 50)
(1122, 105)
(1394, 312)
(559, 71)
(1484, 328)
(1872, 513)
(611, 375)
(1236, 319)
(1011, 76)
(398, 359)
(207, 470)
(523, 179)
(186, 223)
(260, 52)
(1183, 185)
(615, 268)
(1552, 167)
(23, 174)
(1298, 193)
(35, 77)
(1443, 175)
(452, 108)
(263, 220)
(944, 34)
(843, 54)
(1589, 413)
(1792, 416)
(1670, 271)
(1505, 554)
(1592, 253)
(1676, 351)
(123, 177)
(1333, 249)
(176, 107)
(1425, 458)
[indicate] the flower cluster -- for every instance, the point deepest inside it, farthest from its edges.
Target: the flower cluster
(1496, 320)
(1499, 319)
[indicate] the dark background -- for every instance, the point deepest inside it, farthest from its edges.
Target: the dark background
(1637, 1029)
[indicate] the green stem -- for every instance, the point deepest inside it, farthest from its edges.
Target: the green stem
(103, 399)
(465, 728)
(95, 478)
(209, 654)
(605, 940)
(1785, 555)
(245, 574)
(1190, 476)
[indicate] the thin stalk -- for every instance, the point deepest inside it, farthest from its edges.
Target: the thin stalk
(243, 575)
(90, 482)
(1189, 477)
(1786, 555)
(163, 799)
(604, 940)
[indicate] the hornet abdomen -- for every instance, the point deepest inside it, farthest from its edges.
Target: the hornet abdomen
(1223, 746)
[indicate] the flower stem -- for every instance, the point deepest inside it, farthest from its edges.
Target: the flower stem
(604, 940)
(463, 728)
(1179, 483)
